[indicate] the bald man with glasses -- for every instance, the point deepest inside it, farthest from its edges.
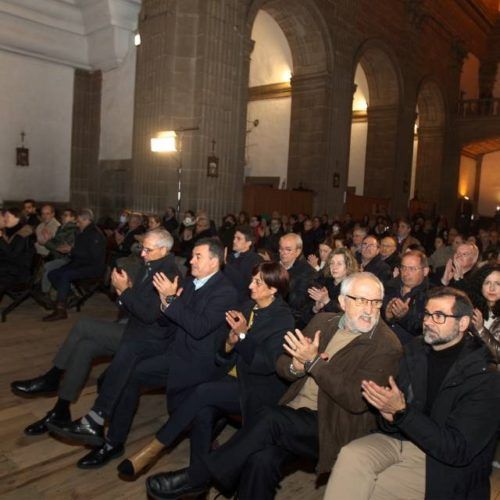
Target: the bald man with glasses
(438, 421)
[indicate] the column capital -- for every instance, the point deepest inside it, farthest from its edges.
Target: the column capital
(309, 82)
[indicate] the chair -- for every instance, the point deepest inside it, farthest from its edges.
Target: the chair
(86, 288)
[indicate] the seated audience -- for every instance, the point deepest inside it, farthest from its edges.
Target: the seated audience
(301, 276)
(406, 296)
(485, 293)
(241, 262)
(16, 250)
(127, 239)
(461, 267)
(270, 238)
(439, 421)
(90, 338)
(441, 254)
(324, 251)
(371, 261)
(358, 235)
(86, 260)
(46, 230)
(226, 231)
(321, 411)
(169, 221)
(249, 354)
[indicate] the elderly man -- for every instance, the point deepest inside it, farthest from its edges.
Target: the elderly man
(196, 318)
(241, 261)
(405, 296)
(439, 422)
(460, 268)
(301, 276)
(86, 260)
(371, 261)
(90, 338)
(322, 410)
(358, 235)
(46, 230)
(405, 239)
(389, 251)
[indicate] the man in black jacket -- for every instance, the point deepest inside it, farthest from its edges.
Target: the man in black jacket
(439, 423)
(371, 261)
(87, 260)
(241, 261)
(90, 338)
(195, 316)
(301, 277)
(406, 295)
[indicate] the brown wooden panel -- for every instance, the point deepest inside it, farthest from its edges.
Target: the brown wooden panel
(264, 200)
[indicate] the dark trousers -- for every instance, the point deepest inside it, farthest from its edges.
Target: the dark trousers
(251, 460)
(130, 353)
(202, 408)
(62, 278)
(150, 373)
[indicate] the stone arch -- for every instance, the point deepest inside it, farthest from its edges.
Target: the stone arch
(312, 56)
(385, 95)
(431, 118)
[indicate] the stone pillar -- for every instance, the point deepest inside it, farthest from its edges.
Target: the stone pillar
(429, 165)
(308, 163)
(85, 175)
(381, 144)
(477, 183)
(192, 71)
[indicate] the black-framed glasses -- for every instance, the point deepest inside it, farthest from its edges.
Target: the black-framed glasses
(362, 301)
(439, 317)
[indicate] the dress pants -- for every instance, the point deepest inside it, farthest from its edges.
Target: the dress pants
(47, 268)
(150, 373)
(203, 407)
(254, 455)
(87, 340)
(378, 467)
(130, 353)
(62, 277)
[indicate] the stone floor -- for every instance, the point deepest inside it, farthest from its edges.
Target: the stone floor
(42, 468)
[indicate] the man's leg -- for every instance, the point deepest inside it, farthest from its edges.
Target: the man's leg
(359, 464)
(47, 268)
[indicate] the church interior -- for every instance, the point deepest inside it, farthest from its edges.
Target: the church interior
(216, 114)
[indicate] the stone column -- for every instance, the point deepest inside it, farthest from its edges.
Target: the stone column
(85, 175)
(429, 165)
(192, 71)
(477, 183)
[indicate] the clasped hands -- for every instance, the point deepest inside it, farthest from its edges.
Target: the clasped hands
(120, 280)
(166, 287)
(302, 348)
(238, 324)
(388, 400)
(397, 308)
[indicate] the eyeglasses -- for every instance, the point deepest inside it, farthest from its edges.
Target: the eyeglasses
(439, 317)
(412, 269)
(361, 301)
(369, 245)
(147, 250)
(257, 281)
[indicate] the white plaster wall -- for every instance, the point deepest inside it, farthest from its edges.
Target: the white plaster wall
(117, 109)
(268, 143)
(271, 58)
(469, 79)
(37, 97)
(467, 177)
(357, 157)
(489, 187)
(359, 130)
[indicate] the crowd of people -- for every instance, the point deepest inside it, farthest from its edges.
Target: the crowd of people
(369, 348)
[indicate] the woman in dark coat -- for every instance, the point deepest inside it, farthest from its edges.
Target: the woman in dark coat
(251, 349)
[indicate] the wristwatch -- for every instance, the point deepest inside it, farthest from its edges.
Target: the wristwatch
(242, 335)
(400, 415)
(309, 364)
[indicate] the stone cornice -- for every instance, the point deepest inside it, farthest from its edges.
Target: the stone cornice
(270, 91)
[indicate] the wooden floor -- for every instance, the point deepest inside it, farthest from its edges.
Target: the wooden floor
(38, 468)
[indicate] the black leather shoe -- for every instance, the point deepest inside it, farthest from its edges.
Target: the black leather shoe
(170, 485)
(40, 426)
(100, 456)
(85, 433)
(32, 386)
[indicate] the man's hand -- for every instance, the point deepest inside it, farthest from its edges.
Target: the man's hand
(120, 280)
(164, 286)
(396, 308)
(388, 400)
(448, 273)
(313, 261)
(301, 348)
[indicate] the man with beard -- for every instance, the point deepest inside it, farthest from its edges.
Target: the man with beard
(439, 422)
(322, 410)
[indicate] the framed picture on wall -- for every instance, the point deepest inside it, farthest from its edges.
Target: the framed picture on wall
(22, 157)
(213, 166)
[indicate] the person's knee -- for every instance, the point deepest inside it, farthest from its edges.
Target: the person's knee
(352, 457)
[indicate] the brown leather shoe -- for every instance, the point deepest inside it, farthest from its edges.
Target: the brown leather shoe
(59, 313)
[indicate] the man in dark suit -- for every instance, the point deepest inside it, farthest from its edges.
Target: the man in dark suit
(87, 260)
(241, 261)
(371, 261)
(91, 338)
(196, 317)
(301, 276)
